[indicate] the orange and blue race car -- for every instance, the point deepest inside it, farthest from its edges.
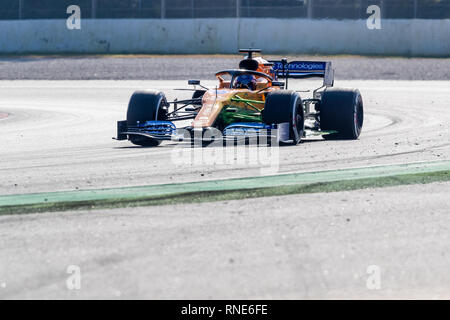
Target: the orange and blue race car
(248, 102)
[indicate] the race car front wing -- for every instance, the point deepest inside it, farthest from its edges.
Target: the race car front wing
(166, 130)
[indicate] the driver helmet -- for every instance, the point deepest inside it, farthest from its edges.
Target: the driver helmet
(246, 81)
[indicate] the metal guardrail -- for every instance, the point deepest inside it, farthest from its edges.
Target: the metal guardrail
(172, 9)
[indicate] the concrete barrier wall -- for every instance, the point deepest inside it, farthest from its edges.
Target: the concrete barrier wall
(397, 37)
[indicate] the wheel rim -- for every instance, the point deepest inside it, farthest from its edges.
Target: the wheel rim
(358, 117)
(297, 125)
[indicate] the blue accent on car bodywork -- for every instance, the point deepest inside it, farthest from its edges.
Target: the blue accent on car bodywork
(301, 66)
(246, 129)
(156, 129)
(302, 69)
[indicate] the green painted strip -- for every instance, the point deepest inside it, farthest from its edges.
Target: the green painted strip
(236, 194)
(223, 185)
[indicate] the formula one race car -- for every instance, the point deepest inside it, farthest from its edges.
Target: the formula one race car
(248, 102)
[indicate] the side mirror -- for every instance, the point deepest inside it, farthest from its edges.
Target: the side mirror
(284, 61)
(277, 84)
(231, 109)
(193, 82)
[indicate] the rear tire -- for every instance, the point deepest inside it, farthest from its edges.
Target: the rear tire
(286, 106)
(144, 106)
(342, 110)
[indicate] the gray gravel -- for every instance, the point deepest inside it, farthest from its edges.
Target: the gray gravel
(204, 67)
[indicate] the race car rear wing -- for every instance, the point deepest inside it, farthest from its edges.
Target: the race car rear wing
(305, 69)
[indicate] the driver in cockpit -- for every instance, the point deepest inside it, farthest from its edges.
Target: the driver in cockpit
(245, 81)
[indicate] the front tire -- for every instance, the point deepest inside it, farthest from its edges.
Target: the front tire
(144, 106)
(342, 110)
(286, 106)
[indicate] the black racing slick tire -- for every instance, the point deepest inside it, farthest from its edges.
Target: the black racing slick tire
(285, 106)
(144, 106)
(342, 110)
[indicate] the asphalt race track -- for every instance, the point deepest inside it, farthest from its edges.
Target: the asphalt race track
(291, 247)
(57, 136)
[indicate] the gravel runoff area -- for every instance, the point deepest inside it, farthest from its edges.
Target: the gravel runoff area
(180, 67)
